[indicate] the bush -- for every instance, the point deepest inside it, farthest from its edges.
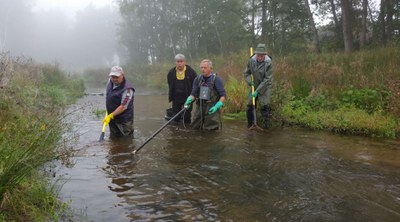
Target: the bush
(370, 100)
(30, 129)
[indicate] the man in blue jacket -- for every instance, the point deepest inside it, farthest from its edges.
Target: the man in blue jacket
(209, 93)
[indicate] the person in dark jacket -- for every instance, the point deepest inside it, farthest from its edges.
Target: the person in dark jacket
(119, 104)
(180, 82)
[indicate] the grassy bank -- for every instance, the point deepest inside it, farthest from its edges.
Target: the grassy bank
(355, 93)
(30, 130)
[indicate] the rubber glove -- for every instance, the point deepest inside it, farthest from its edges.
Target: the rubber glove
(251, 83)
(215, 108)
(254, 94)
(189, 101)
(108, 118)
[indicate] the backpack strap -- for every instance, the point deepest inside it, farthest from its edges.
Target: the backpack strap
(212, 80)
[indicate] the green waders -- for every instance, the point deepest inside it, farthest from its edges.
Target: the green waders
(203, 120)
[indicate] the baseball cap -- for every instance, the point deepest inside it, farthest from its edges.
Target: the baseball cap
(116, 71)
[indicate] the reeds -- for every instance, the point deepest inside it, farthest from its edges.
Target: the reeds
(30, 130)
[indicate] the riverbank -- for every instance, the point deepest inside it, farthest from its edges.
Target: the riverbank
(356, 93)
(32, 99)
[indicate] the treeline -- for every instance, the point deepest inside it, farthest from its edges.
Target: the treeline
(156, 30)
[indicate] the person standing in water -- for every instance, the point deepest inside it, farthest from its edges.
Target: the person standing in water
(119, 104)
(180, 82)
(209, 93)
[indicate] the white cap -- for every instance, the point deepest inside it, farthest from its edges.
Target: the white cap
(116, 71)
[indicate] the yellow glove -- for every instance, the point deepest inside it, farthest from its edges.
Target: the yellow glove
(108, 118)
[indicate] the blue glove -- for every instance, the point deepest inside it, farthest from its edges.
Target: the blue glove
(215, 108)
(189, 101)
(254, 94)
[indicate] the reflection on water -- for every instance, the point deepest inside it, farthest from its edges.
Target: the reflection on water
(278, 175)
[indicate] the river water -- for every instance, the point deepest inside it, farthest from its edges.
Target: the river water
(282, 174)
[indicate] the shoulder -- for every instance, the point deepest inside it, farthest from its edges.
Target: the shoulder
(218, 79)
(252, 59)
(268, 59)
(172, 70)
(189, 69)
(128, 85)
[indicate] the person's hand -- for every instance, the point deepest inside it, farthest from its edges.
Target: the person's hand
(215, 108)
(251, 83)
(189, 101)
(108, 118)
(255, 93)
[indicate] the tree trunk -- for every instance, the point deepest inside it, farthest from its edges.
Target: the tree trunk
(264, 21)
(335, 17)
(253, 22)
(389, 20)
(313, 29)
(363, 35)
(347, 27)
(382, 23)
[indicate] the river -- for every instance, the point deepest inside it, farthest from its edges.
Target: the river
(282, 174)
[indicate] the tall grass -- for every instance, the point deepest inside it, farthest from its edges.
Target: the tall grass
(30, 129)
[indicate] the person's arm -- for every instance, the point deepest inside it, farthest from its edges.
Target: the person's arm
(195, 88)
(170, 84)
(219, 86)
(127, 96)
(222, 99)
(248, 72)
(192, 97)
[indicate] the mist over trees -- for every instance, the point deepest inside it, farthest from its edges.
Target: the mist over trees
(89, 40)
(153, 31)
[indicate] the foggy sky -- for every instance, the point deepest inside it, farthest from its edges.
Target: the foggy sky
(51, 36)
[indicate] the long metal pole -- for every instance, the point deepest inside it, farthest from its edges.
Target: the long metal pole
(156, 132)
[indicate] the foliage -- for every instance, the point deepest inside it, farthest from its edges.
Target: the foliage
(370, 100)
(31, 126)
(342, 120)
(237, 99)
(163, 28)
(301, 87)
(201, 29)
(35, 200)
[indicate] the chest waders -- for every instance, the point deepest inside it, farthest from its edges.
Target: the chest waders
(208, 97)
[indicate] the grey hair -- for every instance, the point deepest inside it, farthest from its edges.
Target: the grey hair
(208, 62)
(180, 57)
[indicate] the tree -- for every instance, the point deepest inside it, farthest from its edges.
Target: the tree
(363, 34)
(313, 28)
(347, 25)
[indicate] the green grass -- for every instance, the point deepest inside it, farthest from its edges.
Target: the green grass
(30, 132)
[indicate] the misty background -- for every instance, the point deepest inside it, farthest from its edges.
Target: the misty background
(151, 32)
(74, 40)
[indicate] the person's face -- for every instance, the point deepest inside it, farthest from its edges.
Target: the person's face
(180, 64)
(117, 80)
(205, 69)
(260, 57)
